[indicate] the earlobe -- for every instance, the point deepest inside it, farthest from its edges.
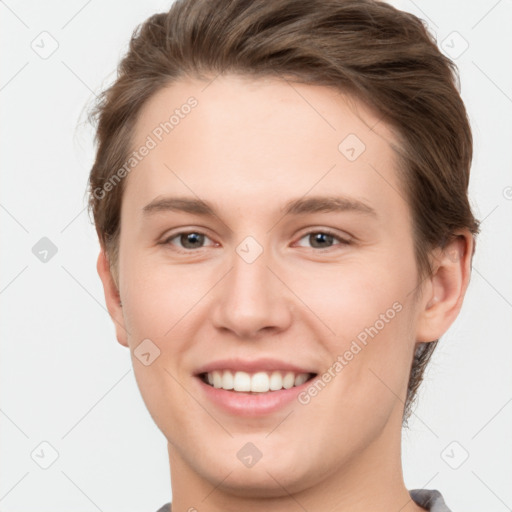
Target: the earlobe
(446, 287)
(112, 298)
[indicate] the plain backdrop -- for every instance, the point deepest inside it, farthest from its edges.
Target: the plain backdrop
(69, 399)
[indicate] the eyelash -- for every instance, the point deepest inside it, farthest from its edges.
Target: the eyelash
(341, 240)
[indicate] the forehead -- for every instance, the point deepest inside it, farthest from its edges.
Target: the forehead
(254, 136)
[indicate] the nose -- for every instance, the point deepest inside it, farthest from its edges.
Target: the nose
(252, 299)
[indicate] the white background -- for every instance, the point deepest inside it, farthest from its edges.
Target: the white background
(64, 378)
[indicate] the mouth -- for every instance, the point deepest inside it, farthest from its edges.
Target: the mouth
(255, 383)
(253, 387)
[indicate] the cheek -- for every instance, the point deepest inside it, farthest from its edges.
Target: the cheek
(355, 294)
(159, 309)
(158, 297)
(368, 311)
(159, 303)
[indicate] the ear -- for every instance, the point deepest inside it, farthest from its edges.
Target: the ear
(445, 289)
(112, 298)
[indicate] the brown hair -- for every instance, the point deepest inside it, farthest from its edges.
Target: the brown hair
(365, 48)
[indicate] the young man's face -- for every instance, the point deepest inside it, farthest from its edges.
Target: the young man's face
(263, 286)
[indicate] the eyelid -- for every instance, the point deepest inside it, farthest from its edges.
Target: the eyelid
(344, 240)
(171, 236)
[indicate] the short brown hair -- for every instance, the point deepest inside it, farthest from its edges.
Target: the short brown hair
(367, 49)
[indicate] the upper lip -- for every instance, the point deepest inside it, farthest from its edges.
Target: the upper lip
(252, 365)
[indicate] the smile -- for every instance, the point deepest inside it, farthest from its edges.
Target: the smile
(257, 382)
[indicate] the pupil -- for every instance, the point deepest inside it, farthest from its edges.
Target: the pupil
(322, 237)
(192, 239)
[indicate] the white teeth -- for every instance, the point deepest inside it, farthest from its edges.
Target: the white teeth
(276, 381)
(259, 382)
(242, 382)
(217, 379)
(227, 380)
(289, 380)
(300, 379)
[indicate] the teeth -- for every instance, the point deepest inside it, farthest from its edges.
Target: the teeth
(227, 380)
(300, 379)
(289, 380)
(242, 382)
(276, 381)
(259, 382)
(217, 380)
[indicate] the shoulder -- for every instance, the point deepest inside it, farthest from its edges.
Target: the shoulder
(430, 499)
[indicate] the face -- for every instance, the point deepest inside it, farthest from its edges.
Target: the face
(289, 252)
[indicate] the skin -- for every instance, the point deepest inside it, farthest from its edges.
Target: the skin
(248, 148)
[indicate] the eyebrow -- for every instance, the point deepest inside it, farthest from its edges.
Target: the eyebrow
(299, 206)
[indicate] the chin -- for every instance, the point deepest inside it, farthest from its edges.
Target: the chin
(258, 483)
(269, 476)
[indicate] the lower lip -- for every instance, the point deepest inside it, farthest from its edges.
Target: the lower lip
(251, 404)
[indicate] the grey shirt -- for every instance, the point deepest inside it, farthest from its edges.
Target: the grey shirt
(429, 499)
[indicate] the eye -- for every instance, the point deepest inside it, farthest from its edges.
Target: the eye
(323, 239)
(189, 240)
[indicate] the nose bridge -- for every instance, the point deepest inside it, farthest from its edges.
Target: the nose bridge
(252, 298)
